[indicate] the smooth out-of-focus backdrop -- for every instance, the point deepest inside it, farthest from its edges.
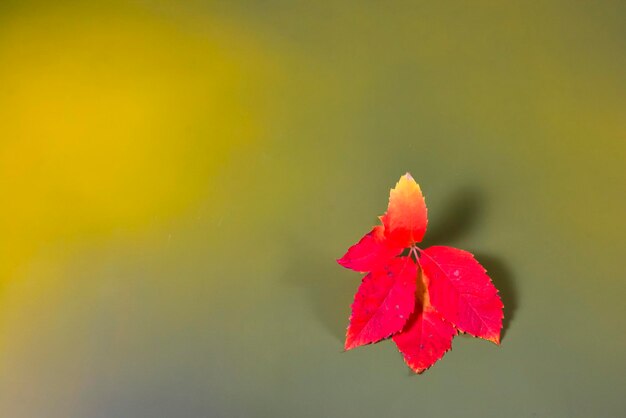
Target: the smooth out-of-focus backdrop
(178, 178)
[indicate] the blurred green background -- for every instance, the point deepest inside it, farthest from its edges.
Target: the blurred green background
(178, 178)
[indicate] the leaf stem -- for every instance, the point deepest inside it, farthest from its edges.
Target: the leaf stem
(416, 251)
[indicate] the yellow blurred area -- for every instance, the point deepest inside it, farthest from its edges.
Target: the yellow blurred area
(115, 121)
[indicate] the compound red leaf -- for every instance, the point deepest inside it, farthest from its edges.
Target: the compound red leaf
(461, 291)
(371, 252)
(406, 217)
(427, 336)
(383, 303)
(423, 313)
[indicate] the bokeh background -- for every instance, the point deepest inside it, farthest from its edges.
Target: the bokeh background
(178, 178)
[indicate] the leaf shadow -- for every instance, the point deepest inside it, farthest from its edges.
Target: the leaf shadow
(328, 287)
(460, 215)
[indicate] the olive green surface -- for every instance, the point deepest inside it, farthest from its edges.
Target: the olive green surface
(179, 178)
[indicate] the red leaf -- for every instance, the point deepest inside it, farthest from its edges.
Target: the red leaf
(371, 252)
(425, 340)
(383, 303)
(427, 336)
(462, 292)
(453, 291)
(406, 217)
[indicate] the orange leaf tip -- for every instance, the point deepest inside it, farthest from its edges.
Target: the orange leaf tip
(406, 218)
